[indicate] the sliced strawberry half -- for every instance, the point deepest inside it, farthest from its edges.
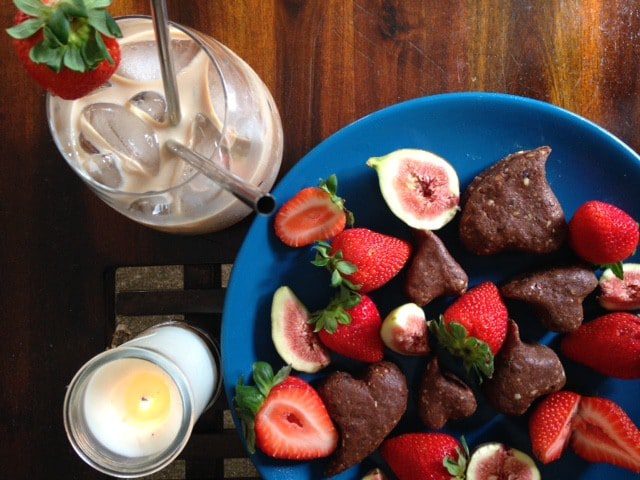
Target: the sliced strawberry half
(314, 214)
(603, 432)
(284, 416)
(550, 425)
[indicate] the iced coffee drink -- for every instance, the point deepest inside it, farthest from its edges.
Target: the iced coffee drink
(113, 138)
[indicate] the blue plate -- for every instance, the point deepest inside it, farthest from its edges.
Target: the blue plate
(472, 131)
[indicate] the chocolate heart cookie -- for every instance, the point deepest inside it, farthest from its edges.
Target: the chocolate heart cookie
(443, 397)
(556, 294)
(522, 373)
(365, 410)
(511, 206)
(433, 271)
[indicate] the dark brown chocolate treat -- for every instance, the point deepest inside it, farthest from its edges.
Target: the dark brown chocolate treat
(557, 295)
(511, 206)
(443, 397)
(433, 271)
(365, 411)
(523, 372)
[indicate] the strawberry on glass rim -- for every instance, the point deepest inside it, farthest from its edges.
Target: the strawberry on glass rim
(68, 46)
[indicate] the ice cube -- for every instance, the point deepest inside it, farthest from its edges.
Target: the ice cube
(103, 168)
(197, 196)
(113, 128)
(155, 205)
(204, 136)
(149, 105)
(86, 145)
(140, 59)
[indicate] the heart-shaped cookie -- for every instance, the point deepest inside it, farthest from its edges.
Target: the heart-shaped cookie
(511, 206)
(433, 271)
(364, 410)
(522, 373)
(556, 294)
(443, 397)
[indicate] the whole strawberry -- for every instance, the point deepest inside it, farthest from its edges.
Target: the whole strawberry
(284, 416)
(362, 259)
(426, 456)
(609, 344)
(603, 234)
(550, 425)
(68, 47)
(474, 327)
(350, 326)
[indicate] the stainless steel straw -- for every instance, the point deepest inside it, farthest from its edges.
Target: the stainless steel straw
(163, 37)
(262, 202)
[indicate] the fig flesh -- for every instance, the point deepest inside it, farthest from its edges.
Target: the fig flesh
(621, 294)
(405, 330)
(421, 188)
(496, 460)
(293, 336)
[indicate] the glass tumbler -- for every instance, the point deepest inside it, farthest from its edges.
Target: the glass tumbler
(113, 138)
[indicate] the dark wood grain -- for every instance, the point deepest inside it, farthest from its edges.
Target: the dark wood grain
(327, 64)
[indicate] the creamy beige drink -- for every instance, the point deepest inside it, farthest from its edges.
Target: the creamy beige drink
(114, 136)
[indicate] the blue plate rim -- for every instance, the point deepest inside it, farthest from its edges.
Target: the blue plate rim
(390, 110)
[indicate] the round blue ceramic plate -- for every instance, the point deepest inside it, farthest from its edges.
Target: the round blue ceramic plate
(472, 131)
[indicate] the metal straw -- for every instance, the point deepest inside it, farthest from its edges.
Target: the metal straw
(262, 202)
(161, 28)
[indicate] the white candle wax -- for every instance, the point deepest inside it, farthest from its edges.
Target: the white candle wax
(190, 354)
(133, 407)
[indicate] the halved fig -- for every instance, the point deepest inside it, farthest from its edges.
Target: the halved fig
(293, 336)
(421, 188)
(405, 330)
(621, 294)
(496, 460)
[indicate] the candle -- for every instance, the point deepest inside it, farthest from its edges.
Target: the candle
(129, 411)
(133, 407)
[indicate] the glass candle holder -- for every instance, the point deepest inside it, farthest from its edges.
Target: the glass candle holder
(129, 411)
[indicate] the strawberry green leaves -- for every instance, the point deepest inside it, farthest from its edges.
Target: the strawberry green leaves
(336, 264)
(336, 312)
(26, 28)
(71, 33)
(249, 399)
(457, 468)
(476, 354)
(330, 185)
(616, 269)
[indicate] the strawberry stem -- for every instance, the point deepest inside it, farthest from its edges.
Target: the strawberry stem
(336, 313)
(336, 264)
(458, 468)
(72, 33)
(249, 399)
(330, 185)
(476, 354)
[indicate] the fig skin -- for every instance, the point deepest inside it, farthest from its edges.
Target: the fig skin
(488, 457)
(523, 372)
(304, 351)
(405, 331)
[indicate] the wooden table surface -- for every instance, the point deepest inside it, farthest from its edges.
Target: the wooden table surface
(327, 62)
